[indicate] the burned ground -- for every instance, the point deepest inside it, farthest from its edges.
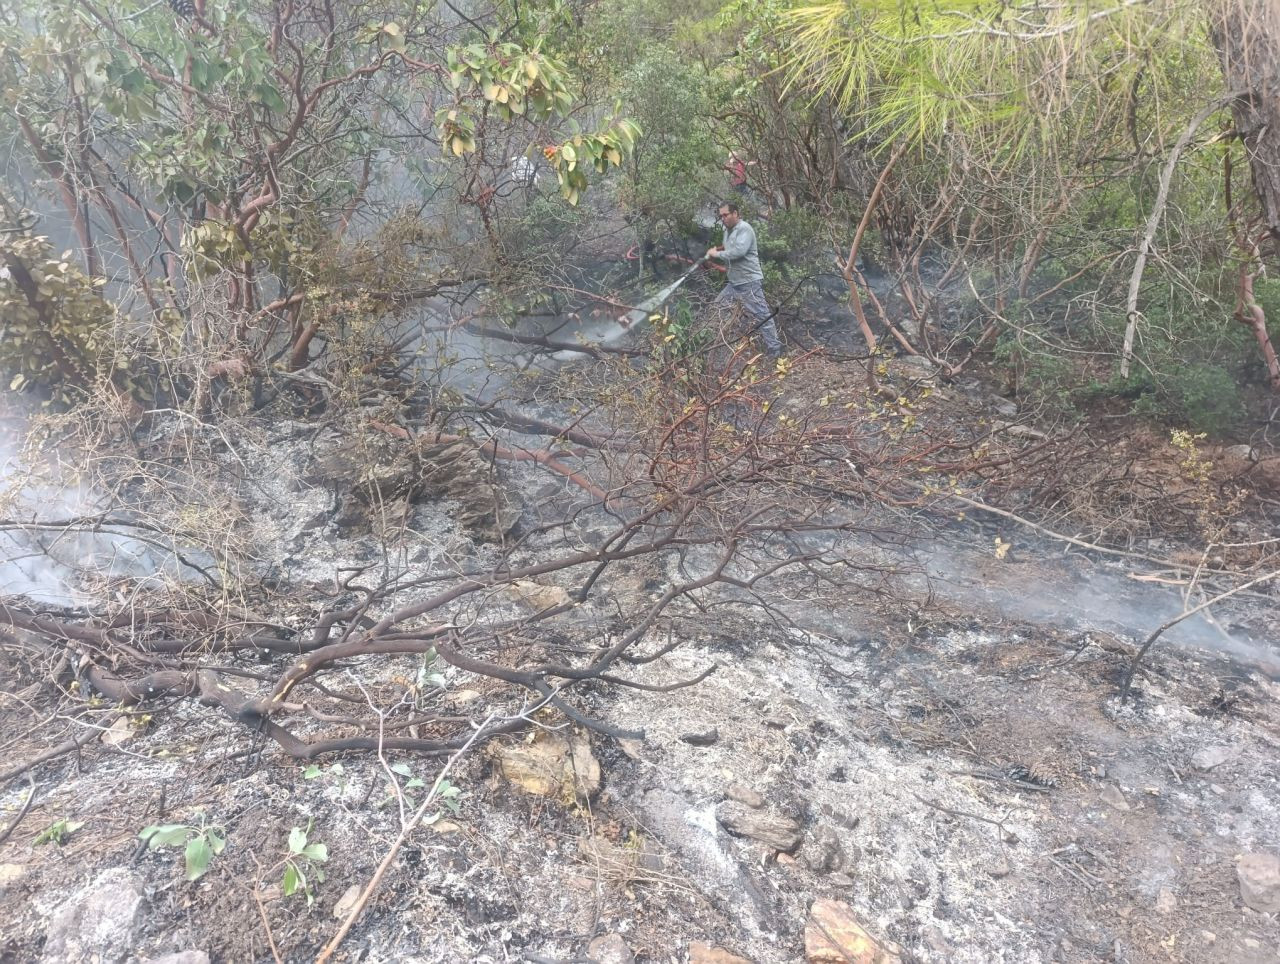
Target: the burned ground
(934, 738)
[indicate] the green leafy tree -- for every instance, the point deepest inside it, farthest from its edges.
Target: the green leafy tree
(222, 159)
(677, 165)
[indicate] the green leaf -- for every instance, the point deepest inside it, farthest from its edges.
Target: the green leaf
(270, 98)
(217, 842)
(168, 835)
(402, 768)
(317, 852)
(297, 840)
(198, 854)
(311, 772)
(291, 879)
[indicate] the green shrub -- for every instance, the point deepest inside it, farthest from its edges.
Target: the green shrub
(1202, 395)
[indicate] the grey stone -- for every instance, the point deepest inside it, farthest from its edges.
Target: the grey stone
(701, 737)
(610, 949)
(937, 942)
(999, 868)
(918, 362)
(824, 852)
(1260, 882)
(347, 902)
(1111, 795)
(1026, 431)
(1003, 406)
(1212, 756)
(182, 957)
(10, 876)
(97, 923)
(1166, 901)
(779, 832)
(317, 521)
(745, 795)
(1246, 452)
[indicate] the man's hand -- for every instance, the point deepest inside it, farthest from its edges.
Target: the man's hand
(711, 252)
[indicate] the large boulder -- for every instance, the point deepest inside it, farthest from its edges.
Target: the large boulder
(98, 923)
(1260, 882)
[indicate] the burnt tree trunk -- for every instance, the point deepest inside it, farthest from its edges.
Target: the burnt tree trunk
(1246, 34)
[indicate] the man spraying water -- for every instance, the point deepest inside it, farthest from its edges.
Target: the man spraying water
(746, 280)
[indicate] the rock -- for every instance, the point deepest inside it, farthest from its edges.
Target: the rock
(700, 953)
(832, 935)
(610, 949)
(999, 868)
(841, 880)
(351, 514)
(98, 923)
(918, 362)
(737, 791)
(937, 942)
(317, 521)
(181, 957)
(1004, 406)
(1111, 795)
(1166, 902)
(1260, 882)
(780, 833)
(824, 852)
(552, 765)
(701, 737)
(347, 902)
(632, 749)
(1026, 431)
(11, 874)
(1246, 453)
(1212, 756)
(538, 596)
(119, 732)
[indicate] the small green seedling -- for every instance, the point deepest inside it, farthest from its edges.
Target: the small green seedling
(202, 844)
(315, 771)
(448, 795)
(57, 832)
(429, 675)
(303, 858)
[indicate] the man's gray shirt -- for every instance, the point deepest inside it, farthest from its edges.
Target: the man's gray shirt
(740, 252)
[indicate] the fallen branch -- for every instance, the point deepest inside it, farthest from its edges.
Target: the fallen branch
(26, 805)
(405, 830)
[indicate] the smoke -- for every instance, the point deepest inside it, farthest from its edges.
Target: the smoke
(57, 565)
(1043, 586)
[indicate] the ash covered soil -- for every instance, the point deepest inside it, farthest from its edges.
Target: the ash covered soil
(949, 761)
